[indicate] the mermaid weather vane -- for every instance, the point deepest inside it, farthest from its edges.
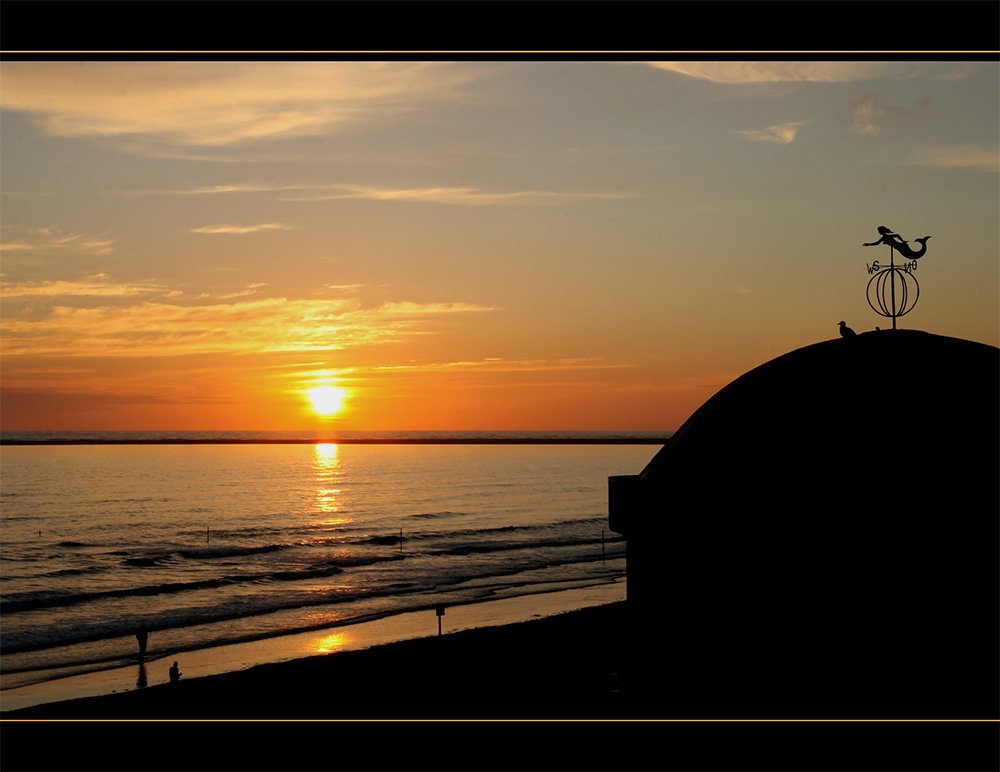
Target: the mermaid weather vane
(889, 290)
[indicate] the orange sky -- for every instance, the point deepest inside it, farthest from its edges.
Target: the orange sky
(468, 245)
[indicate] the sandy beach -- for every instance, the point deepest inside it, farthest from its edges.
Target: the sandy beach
(471, 674)
(20, 693)
(491, 692)
(550, 693)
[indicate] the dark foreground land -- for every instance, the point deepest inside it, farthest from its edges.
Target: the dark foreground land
(562, 667)
(552, 693)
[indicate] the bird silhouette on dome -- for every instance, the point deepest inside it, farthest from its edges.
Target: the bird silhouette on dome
(846, 332)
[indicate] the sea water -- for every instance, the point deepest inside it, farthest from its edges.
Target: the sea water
(251, 537)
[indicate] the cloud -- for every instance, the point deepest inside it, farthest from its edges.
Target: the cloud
(252, 289)
(786, 72)
(220, 103)
(967, 157)
(240, 229)
(236, 187)
(97, 285)
(51, 241)
(457, 196)
(499, 365)
(782, 133)
(266, 325)
(868, 113)
(452, 196)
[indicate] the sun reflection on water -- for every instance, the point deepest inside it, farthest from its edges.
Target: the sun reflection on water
(326, 465)
(330, 643)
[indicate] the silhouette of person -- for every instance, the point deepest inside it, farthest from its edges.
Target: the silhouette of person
(142, 636)
(143, 679)
(175, 674)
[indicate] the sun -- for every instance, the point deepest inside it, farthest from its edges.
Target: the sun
(326, 400)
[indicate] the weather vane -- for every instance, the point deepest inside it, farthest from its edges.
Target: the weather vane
(892, 279)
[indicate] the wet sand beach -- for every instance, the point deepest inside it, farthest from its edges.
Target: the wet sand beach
(571, 662)
(541, 694)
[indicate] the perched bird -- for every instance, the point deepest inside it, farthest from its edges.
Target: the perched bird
(846, 332)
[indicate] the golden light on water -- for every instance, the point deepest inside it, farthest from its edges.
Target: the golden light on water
(331, 643)
(326, 455)
(327, 467)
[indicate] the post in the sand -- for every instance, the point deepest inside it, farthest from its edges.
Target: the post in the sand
(440, 613)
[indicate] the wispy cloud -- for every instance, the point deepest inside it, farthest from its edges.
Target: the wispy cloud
(97, 285)
(219, 103)
(968, 157)
(496, 365)
(265, 325)
(233, 187)
(782, 133)
(52, 241)
(453, 196)
(252, 289)
(457, 196)
(789, 72)
(869, 113)
(240, 229)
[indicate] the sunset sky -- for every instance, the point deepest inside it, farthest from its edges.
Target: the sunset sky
(468, 245)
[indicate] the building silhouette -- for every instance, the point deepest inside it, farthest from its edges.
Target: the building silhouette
(820, 539)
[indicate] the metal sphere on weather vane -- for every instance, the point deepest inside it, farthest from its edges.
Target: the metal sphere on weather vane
(891, 295)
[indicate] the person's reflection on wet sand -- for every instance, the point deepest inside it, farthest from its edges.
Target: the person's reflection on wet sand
(143, 680)
(142, 636)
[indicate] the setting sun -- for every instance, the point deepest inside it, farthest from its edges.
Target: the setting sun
(326, 400)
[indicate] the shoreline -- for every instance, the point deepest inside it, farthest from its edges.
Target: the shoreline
(551, 693)
(477, 674)
(239, 658)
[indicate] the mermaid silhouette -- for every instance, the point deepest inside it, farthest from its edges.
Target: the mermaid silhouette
(901, 246)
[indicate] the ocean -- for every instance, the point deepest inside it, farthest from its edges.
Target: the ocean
(215, 538)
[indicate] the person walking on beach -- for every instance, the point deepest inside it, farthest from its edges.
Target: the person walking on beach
(175, 674)
(142, 637)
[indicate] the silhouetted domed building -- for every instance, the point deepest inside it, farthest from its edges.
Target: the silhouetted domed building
(820, 539)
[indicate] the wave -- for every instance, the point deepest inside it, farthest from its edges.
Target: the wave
(149, 562)
(213, 553)
(472, 586)
(172, 619)
(52, 599)
(436, 515)
(488, 547)
(495, 539)
(86, 571)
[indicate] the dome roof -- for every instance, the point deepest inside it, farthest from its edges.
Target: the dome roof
(894, 397)
(820, 537)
